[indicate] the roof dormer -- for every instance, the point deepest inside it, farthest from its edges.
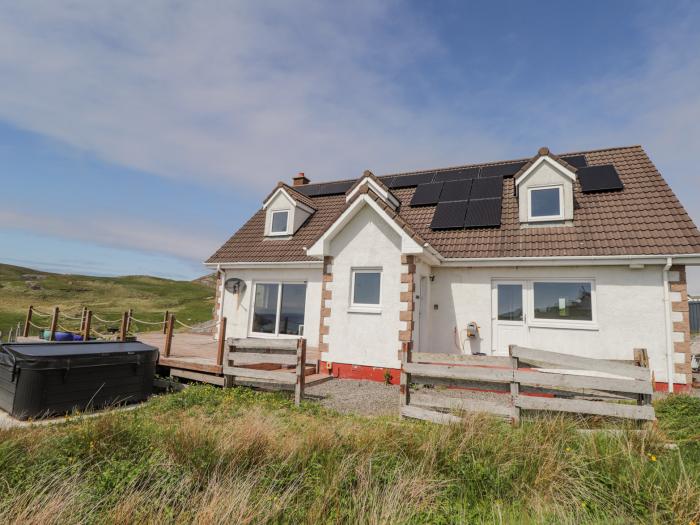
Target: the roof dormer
(285, 211)
(369, 181)
(545, 191)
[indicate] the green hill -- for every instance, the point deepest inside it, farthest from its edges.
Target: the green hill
(108, 297)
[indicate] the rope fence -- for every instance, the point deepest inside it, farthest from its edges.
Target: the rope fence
(87, 323)
(108, 321)
(185, 325)
(150, 323)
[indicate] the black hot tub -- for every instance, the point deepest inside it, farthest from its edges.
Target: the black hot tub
(43, 379)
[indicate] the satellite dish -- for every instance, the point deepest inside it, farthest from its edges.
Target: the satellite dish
(235, 285)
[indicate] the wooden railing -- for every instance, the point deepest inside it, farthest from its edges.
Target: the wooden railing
(531, 379)
(266, 364)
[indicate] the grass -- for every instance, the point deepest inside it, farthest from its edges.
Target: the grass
(107, 296)
(207, 455)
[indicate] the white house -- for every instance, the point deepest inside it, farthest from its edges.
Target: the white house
(580, 253)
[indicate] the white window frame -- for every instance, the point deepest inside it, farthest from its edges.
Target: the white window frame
(364, 307)
(561, 323)
(276, 335)
(272, 216)
(542, 218)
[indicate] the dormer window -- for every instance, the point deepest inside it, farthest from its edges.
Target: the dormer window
(545, 190)
(286, 210)
(279, 223)
(546, 203)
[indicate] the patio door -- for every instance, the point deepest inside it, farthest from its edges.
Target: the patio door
(509, 318)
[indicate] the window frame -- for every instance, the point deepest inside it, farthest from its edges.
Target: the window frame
(365, 307)
(533, 321)
(544, 218)
(273, 233)
(278, 311)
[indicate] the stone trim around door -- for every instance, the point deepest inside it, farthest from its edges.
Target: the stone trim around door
(408, 305)
(326, 298)
(680, 316)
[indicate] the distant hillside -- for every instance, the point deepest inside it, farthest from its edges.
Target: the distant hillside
(149, 297)
(208, 280)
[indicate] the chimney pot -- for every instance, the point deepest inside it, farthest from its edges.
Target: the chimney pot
(544, 150)
(300, 179)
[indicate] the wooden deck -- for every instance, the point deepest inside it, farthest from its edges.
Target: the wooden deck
(193, 356)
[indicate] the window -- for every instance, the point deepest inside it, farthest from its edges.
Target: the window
(510, 302)
(278, 308)
(545, 203)
(569, 301)
(278, 224)
(366, 288)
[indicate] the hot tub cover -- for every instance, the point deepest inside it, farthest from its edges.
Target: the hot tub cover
(52, 356)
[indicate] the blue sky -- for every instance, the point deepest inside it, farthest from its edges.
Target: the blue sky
(135, 137)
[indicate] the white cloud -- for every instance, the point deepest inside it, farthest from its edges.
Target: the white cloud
(251, 92)
(235, 91)
(114, 232)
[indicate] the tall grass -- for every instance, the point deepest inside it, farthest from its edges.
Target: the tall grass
(211, 456)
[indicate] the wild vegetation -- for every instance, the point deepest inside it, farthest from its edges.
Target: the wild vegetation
(108, 296)
(207, 455)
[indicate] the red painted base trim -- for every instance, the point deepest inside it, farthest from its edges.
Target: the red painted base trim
(368, 373)
(678, 388)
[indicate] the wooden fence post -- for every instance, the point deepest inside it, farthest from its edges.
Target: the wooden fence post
(169, 335)
(222, 342)
(405, 386)
(54, 322)
(165, 322)
(122, 326)
(30, 311)
(82, 319)
(301, 371)
(86, 326)
(130, 313)
(641, 358)
(514, 388)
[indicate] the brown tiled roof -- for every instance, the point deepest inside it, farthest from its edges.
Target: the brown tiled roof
(294, 194)
(645, 218)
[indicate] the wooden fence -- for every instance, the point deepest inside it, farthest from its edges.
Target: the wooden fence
(531, 379)
(266, 363)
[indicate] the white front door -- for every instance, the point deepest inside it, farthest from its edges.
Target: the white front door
(509, 319)
(420, 335)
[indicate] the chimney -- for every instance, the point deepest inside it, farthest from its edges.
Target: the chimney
(300, 180)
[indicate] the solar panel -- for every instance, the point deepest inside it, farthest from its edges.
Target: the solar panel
(449, 215)
(406, 181)
(577, 161)
(456, 190)
(459, 174)
(308, 190)
(483, 213)
(599, 178)
(501, 170)
(490, 187)
(427, 194)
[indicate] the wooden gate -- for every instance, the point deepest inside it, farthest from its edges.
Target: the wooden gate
(532, 379)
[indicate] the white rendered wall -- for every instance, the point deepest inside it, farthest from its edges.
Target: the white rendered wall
(370, 339)
(238, 317)
(629, 308)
